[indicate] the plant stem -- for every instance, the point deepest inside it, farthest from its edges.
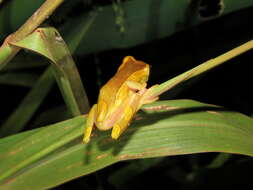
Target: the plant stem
(36, 19)
(202, 68)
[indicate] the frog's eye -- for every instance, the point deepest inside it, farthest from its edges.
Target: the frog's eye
(101, 110)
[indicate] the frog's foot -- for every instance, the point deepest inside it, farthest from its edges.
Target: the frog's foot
(87, 134)
(123, 123)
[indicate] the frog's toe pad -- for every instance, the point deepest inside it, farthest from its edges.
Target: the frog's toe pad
(87, 135)
(116, 131)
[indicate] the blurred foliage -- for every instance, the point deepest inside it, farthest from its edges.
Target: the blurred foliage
(123, 23)
(172, 36)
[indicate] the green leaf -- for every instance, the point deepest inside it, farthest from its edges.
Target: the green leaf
(49, 43)
(164, 128)
(143, 21)
(34, 98)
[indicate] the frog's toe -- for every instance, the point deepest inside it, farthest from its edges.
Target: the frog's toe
(116, 131)
(87, 134)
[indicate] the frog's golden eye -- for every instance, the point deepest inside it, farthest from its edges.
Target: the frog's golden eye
(101, 110)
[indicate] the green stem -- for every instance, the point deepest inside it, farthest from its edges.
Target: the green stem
(202, 68)
(36, 19)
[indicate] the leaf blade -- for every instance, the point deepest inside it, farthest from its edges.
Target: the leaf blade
(164, 128)
(49, 43)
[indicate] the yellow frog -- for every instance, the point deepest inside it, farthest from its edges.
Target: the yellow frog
(120, 98)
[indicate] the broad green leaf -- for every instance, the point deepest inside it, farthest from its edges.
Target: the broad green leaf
(76, 34)
(142, 20)
(56, 153)
(49, 43)
(146, 20)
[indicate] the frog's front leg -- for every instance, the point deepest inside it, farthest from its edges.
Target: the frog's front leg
(144, 93)
(90, 122)
(136, 86)
(147, 97)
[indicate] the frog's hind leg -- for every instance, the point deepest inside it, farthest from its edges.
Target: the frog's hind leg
(90, 121)
(123, 123)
